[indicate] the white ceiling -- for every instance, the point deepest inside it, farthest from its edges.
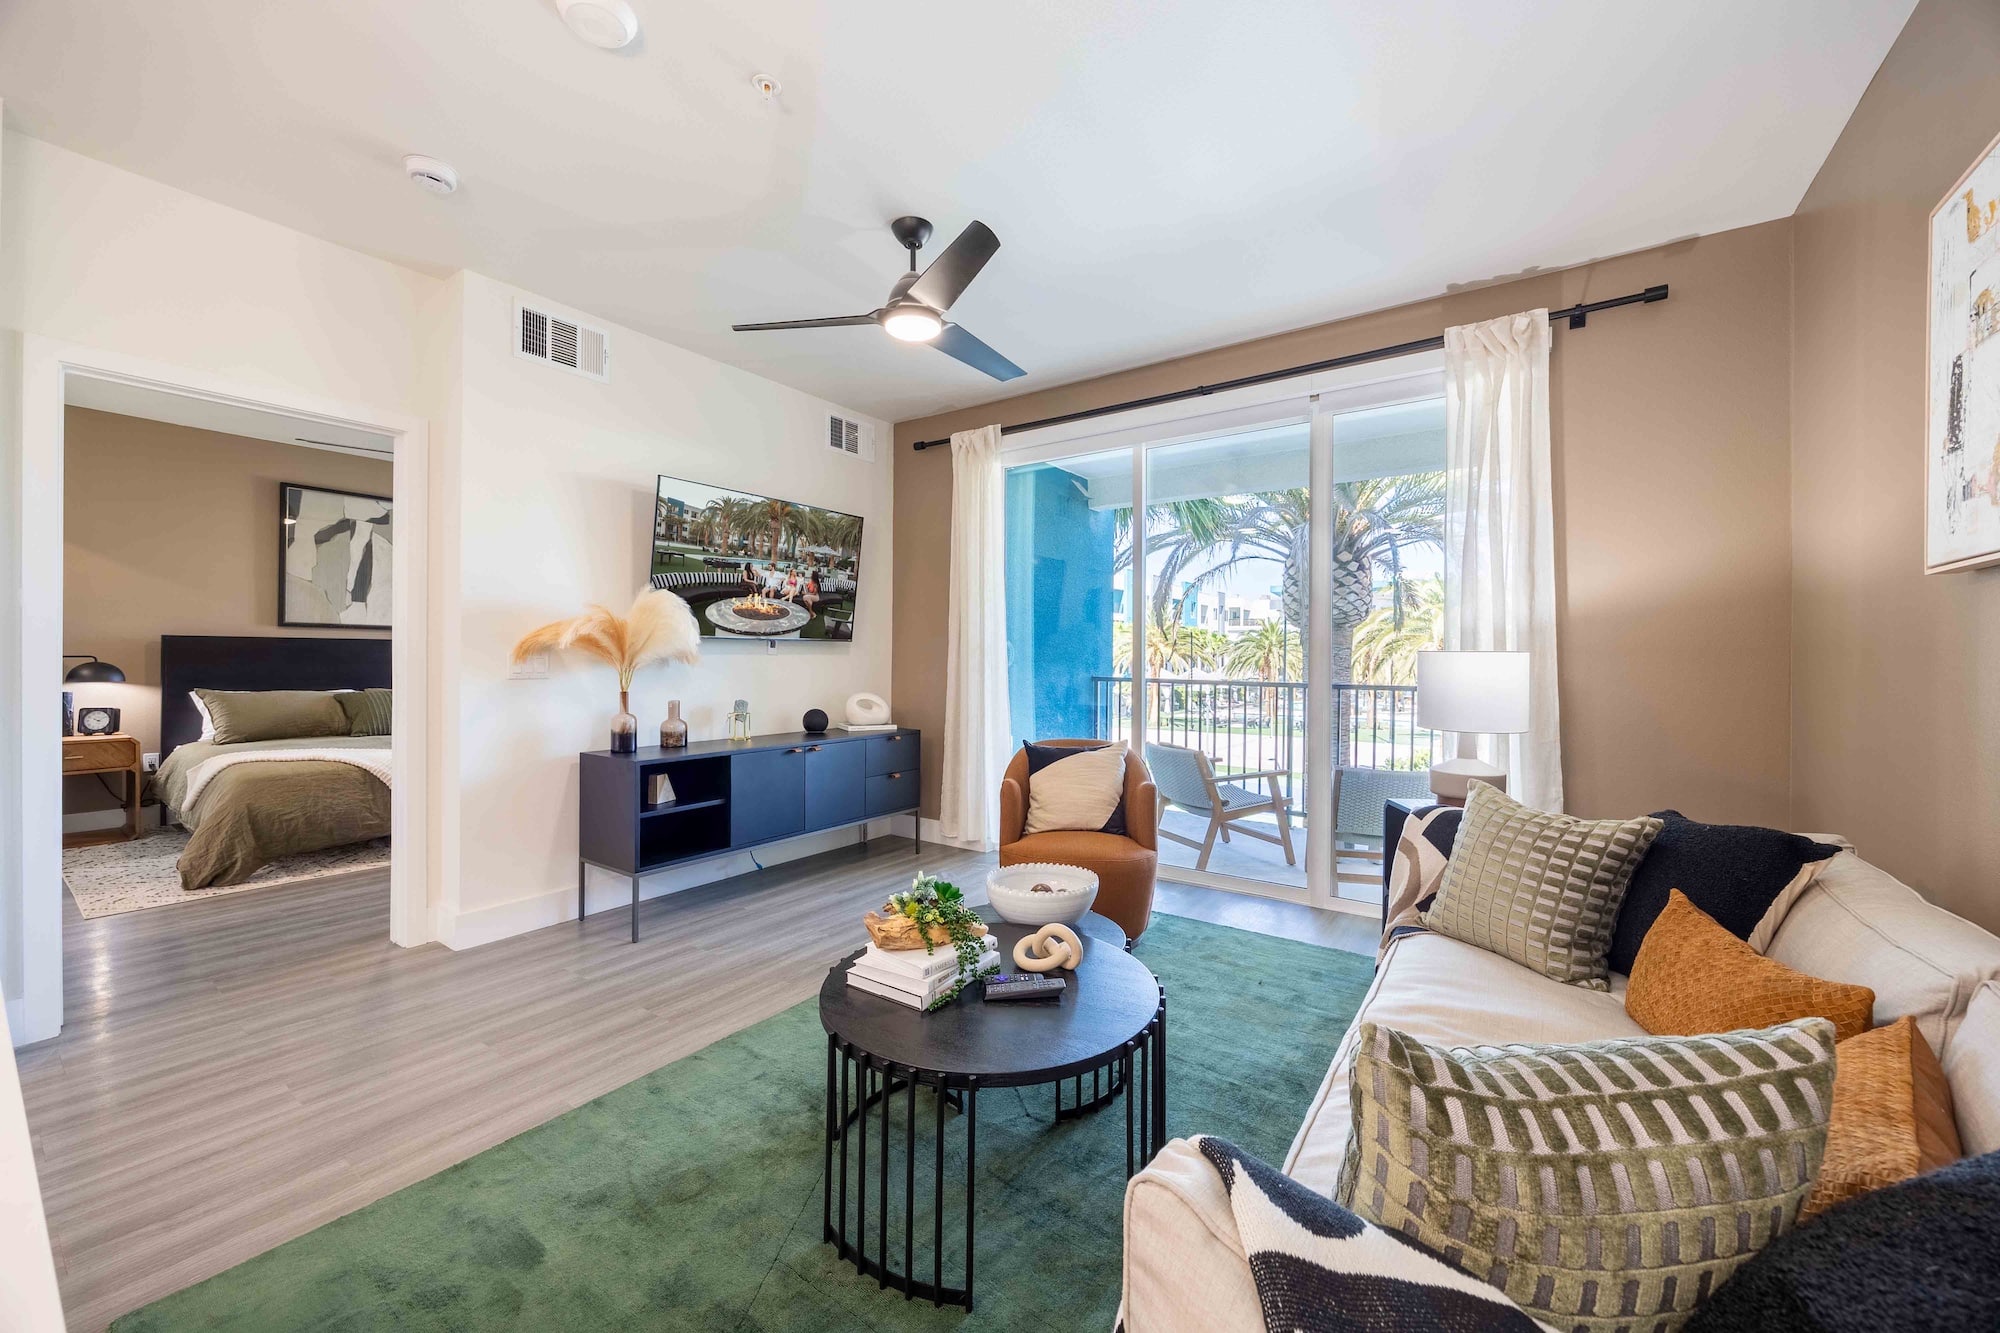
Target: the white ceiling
(1164, 176)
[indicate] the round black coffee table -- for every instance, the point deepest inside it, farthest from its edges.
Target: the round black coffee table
(1106, 1035)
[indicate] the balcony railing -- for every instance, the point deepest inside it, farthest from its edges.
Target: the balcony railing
(1249, 726)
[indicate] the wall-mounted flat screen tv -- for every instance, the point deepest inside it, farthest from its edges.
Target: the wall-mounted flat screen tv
(756, 567)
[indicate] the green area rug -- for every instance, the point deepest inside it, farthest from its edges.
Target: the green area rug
(690, 1198)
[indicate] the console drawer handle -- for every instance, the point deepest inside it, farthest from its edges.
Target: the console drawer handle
(796, 749)
(812, 749)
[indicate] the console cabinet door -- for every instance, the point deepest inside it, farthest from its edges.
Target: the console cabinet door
(767, 795)
(836, 784)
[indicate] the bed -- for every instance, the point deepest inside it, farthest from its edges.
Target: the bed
(246, 804)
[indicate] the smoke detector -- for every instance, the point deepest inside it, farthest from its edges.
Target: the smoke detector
(767, 87)
(609, 24)
(436, 176)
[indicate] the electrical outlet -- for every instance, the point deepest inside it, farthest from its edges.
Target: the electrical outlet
(535, 666)
(150, 761)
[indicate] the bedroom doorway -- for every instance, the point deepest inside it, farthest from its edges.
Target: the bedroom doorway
(149, 475)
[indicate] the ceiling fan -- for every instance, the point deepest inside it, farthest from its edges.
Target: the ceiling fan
(915, 309)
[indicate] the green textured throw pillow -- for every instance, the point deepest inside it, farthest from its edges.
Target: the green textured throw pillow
(1605, 1186)
(367, 711)
(269, 715)
(1542, 889)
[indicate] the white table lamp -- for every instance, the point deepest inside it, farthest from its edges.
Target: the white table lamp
(1470, 693)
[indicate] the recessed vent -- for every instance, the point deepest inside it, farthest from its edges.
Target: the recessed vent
(541, 336)
(849, 437)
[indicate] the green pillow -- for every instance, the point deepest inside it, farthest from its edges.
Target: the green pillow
(269, 715)
(1542, 889)
(1604, 1186)
(367, 712)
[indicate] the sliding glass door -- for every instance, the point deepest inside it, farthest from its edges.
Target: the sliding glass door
(1255, 633)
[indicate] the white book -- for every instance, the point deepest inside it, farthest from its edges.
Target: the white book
(928, 984)
(864, 726)
(917, 963)
(887, 992)
(905, 992)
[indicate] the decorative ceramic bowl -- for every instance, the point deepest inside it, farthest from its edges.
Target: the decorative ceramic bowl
(1038, 893)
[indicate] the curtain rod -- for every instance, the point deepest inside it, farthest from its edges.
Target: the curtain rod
(1574, 314)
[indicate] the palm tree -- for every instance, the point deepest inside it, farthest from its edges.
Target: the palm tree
(1385, 651)
(1272, 651)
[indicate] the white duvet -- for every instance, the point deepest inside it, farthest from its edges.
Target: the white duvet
(375, 762)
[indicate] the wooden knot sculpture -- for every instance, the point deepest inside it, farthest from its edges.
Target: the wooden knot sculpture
(1053, 946)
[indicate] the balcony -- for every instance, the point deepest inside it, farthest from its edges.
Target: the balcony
(1259, 726)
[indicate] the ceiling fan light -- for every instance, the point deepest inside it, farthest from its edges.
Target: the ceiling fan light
(912, 323)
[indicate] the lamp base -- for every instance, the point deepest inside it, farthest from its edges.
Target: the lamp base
(1451, 779)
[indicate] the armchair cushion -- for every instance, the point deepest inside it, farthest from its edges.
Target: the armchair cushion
(1074, 788)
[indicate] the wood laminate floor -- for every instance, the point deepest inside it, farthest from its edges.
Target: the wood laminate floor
(234, 1073)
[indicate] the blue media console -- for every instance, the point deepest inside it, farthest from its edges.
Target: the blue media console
(733, 795)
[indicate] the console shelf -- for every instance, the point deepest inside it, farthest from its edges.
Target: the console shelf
(733, 795)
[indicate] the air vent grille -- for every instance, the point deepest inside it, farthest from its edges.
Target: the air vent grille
(849, 437)
(562, 342)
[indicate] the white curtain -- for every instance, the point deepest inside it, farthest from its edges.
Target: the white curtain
(1499, 549)
(975, 679)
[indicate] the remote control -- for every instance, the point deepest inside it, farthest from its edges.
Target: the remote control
(1024, 986)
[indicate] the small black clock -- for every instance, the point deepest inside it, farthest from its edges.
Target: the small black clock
(95, 721)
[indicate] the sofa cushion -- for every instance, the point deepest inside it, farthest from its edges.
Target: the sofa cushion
(1891, 1115)
(1421, 854)
(1451, 994)
(1738, 874)
(1185, 1269)
(1692, 976)
(1916, 1255)
(1076, 787)
(1599, 1185)
(1860, 924)
(1972, 1067)
(1540, 888)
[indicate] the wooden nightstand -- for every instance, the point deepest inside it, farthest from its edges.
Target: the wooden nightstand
(116, 753)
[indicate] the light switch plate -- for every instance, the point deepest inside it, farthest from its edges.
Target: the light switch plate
(535, 666)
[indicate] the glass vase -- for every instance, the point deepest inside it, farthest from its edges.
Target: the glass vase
(624, 727)
(673, 732)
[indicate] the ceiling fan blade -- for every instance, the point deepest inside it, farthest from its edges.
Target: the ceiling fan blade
(955, 342)
(953, 271)
(836, 322)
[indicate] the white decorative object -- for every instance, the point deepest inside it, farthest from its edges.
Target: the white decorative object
(1474, 694)
(867, 710)
(1499, 530)
(1962, 409)
(1039, 891)
(1054, 945)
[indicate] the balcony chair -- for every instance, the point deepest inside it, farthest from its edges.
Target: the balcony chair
(1358, 797)
(1188, 779)
(1125, 865)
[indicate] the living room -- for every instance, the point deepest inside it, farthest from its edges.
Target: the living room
(1617, 465)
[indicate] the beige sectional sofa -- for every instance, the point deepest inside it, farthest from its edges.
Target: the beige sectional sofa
(1185, 1269)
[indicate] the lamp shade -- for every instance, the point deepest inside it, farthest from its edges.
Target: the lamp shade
(1473, 691)
(93, 672)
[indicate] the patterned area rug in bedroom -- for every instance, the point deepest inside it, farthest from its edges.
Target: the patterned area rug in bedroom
(133, 876)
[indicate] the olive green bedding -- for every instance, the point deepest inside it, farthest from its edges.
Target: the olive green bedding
(249, 814)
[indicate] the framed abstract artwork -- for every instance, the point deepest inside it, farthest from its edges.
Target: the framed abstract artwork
(1962, 409)
(334, 556)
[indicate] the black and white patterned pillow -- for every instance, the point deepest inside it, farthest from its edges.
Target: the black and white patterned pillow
(1321, 1269)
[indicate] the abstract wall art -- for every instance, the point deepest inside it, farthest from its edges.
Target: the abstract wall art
(334, 556)
(1962, 414)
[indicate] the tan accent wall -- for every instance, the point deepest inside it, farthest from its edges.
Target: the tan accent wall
(171, 530)
(1896, 676)
(1670, 426)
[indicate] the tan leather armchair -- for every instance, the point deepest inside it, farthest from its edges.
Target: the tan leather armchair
(1125, 865)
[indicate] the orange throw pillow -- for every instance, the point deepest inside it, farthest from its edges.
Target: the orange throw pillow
(1692, 977)
(1891, 1116)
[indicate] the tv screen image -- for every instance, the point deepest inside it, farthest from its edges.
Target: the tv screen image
(754, 566)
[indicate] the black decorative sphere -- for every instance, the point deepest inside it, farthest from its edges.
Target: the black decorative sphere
(815, 720)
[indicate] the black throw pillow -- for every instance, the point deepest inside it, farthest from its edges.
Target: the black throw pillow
(1041, 756)
(1918, 1254)
(1733, 872)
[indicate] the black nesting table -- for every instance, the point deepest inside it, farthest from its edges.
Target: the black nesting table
(1105, 1036)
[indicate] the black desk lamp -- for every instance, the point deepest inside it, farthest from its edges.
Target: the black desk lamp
(90, 671)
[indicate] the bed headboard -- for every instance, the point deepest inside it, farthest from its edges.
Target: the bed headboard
(205, 662)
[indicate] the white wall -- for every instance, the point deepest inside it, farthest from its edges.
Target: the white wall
(555, 479)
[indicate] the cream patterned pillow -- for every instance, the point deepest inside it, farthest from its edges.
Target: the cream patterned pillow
(1605, 1186)
(1542, 889)
(1080, 790)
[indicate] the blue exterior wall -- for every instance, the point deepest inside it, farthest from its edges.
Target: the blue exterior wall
(1058, 603)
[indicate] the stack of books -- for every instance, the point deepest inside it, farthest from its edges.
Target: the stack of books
(913, 977)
